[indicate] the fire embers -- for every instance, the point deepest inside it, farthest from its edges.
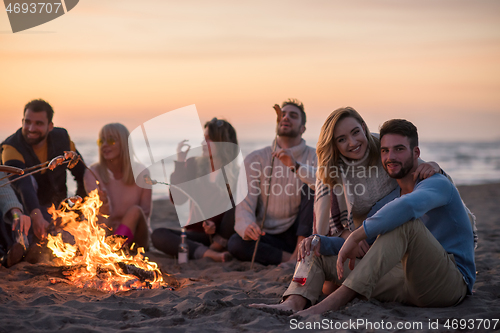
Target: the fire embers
(92, 260)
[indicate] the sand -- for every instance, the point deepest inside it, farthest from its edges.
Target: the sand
(214, 297)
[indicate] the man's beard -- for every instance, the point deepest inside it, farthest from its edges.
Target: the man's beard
(405, 168)
(292, 133)
(36, 141)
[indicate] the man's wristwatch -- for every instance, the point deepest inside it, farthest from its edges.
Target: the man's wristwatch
(295, 167)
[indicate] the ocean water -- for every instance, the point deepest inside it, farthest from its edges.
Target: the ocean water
(467, 163)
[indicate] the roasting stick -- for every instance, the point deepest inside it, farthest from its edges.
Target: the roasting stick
(10, 169)
(2, 168)
(29, 174)
(18, 171)
(278, 116)
(150, 181)
(70, 157)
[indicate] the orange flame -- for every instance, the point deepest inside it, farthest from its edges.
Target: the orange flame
(96, 261)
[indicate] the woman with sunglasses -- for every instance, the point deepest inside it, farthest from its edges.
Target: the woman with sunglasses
(207, 238)
(127, 205)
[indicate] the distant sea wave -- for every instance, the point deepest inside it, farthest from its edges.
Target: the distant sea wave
(467, 163)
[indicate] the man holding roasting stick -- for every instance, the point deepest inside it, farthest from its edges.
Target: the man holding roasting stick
(424, 251)
(34, 144)
(283, 198)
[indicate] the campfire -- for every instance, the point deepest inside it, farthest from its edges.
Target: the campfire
(92, 260)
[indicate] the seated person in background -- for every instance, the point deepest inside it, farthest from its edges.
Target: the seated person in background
(11, 219)
(128, 205)
(38, 141)
(424, 249)
(289, 214)
(208, 238)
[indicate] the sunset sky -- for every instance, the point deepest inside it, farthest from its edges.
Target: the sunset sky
(433, 62)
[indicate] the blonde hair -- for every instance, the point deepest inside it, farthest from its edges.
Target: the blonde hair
(120, 133)
(327, 151)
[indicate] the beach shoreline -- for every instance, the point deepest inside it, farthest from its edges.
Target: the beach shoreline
(215, 296)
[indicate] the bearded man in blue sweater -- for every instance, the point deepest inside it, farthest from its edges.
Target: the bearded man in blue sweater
(424, 251)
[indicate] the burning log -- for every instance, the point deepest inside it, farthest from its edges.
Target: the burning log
(64, 274)
(142, 274)
(91, 259)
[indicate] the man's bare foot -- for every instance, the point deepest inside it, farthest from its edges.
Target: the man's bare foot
(338, 298)
(226, 256)
(218, 256)
(292, 303)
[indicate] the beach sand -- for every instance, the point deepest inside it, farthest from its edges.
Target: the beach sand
(214, 297)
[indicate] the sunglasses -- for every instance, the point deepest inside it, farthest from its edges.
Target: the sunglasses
(110, 142)
(217, 122)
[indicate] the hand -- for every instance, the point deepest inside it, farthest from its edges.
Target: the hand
(209, 227)
(103, 196)
(285, 156)
(363, 247)
(425, 170)
(39, 224)
(23, 221)
(182, 154)
(348, 251)
(252, 232)
(305, 248)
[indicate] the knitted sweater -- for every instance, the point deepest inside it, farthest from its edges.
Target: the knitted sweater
(362, 186)
(284, 199)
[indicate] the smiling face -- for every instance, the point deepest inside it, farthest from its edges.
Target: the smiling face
(291, 122)
(110, 147)
(36, 127)
(397, 157)
(350, 138)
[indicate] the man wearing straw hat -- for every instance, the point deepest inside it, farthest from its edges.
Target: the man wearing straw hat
(36, 142)
(278, 196)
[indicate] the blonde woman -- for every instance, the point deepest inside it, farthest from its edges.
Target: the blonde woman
(351, 169)
(128, 205)
(350, 180)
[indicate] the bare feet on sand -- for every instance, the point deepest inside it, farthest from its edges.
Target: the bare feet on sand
(338, 298)
(218, 256)
(292, 303)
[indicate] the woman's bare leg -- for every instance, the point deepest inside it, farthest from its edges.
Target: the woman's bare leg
(135, 220)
